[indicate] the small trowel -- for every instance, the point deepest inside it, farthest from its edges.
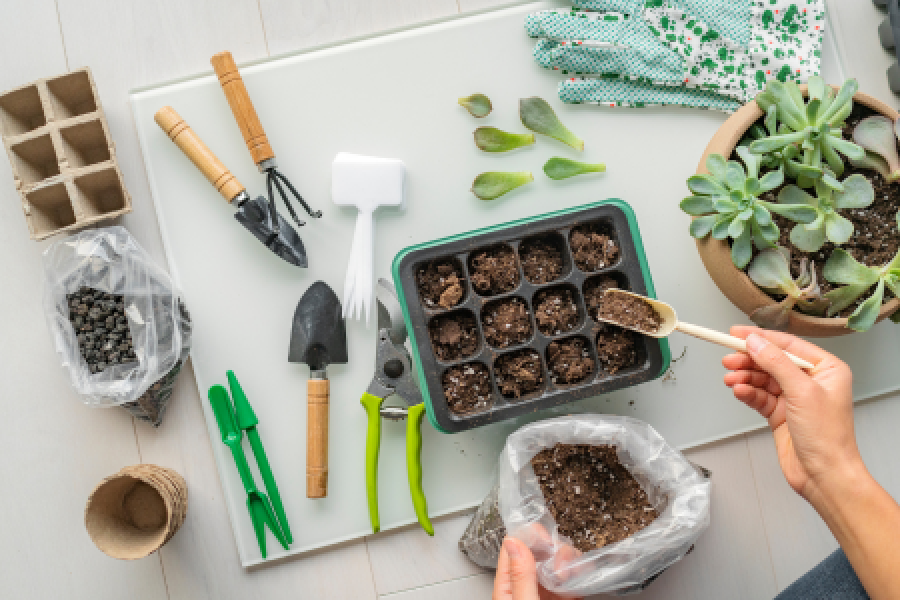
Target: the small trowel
(256, 214)
(319, 339)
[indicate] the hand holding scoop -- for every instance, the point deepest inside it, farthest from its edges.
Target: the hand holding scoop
(668, 322)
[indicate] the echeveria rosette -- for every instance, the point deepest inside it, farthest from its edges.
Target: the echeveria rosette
(855, 192)
(726, 204)
(787, 158)
(771, 271)
(814, 126)
(857, 279)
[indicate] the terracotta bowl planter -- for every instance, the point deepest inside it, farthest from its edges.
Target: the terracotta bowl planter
(716, 254)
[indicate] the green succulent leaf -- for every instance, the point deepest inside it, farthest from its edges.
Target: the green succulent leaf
(876, 135)
(816, 88)
(478, 105)
(866, 313)
(776, 317)
(838, 229)
(771, 119)
(874, 162)
(842, 268)
(715, 164)
(801, 213)
(771, 180)
(697, 205)
(769, 233)
(841, 105)
(491, 139)
(562, 168)
(742, 249)
(705, 185)
(494, 184)
(724, 204)
(720, 228)
(842, 297)
(735, 175)
(809, 238)
(848, 149)
(833, 159)
(701, 226)
(761, 215)
(857, 193)
(791, 194)
(736, 228)
(776, 142)
(538, 116)
(771, 271)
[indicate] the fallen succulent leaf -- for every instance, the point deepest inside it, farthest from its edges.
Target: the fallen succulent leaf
(491, 139)
(478, 105)
(494, 184)
(539, 117)
(562, 168)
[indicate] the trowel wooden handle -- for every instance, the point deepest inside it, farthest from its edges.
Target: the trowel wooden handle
(729, 341)
(242, 107)
(317, 438)
(190, 143)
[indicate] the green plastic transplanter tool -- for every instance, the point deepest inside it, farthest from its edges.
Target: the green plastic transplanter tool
(261, 514)
(247, 422)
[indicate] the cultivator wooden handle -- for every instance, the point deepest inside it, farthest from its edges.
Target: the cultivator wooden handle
(242, 107)
(190, 143)
(317, 394)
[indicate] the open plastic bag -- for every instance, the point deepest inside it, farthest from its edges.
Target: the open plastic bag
(110, 260)
(679, 492)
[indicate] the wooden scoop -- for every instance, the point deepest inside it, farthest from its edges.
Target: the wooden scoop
(671, 323)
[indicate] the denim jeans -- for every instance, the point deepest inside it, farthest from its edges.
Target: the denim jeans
(831, 579)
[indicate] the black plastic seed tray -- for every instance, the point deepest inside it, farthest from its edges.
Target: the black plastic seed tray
(615, 218)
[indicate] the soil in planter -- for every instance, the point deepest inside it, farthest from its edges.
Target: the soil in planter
(616, 349)
(467, 388)
(440, 284)
(506, 322)
(591, 495)
(454, 336)
(555, 311)
(594, 289)
(593, 247)
(518, 373)
(542, 259)
(101, 328)
(494, 270)
(629, 311)
(569, 360)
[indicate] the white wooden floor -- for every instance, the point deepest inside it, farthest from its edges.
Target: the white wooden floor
(54, 449)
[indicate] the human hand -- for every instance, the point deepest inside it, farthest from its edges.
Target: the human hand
(516, 577)
(811, 414)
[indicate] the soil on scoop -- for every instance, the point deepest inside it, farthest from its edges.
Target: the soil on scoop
(440, 283)
(506, 322)
(101, 328)
(556, 311)
(593, 247)
(467, 388)
(594, 289)
(518, 373)
(454, 336)
(569, 360)
(494, 270)
(616, 348)
(630, 311)
(542, 259)
(591, 495)
(875, 238)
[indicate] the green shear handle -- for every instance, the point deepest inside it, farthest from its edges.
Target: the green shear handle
(415, 413)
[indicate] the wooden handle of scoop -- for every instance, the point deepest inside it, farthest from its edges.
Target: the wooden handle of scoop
(190, 143)
(317, 394)
(242, 107)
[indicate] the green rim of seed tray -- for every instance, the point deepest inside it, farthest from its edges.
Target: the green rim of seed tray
(397, 266)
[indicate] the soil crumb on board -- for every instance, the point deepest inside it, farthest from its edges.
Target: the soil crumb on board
(454, 336)
(569, 360)
(616, 349)
(506, 322)
(518, 373)
(440, 283)
(555, 311)
(494, 270)
(629, 311)
(542, 259)
(593, 247)
(591, 495)
(467, 388)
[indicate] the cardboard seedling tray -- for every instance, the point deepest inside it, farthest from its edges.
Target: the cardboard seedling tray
(630, 271)
(62, 157)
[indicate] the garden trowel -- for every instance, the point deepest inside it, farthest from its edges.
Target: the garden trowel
(319, 339)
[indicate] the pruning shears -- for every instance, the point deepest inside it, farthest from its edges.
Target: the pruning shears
(394, 378)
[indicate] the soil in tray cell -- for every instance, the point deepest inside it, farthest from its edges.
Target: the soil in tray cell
(454, 336)
(617, 349)
(569, 360)
(591, 495)
(506, 322)
(542, 258)
(440, 283)
(594, 288)
(494, 270)
(556, 311)
(467, 388)
(519, 373)
(594, 247)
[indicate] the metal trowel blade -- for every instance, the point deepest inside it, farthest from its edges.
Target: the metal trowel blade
(318, 332)
(255, 215)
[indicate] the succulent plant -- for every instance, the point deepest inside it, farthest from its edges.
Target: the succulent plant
(814, 127)
(787, 158)
(771, 271)
(539, 117)
(726, 204)
(878, 137)
(857, 279)
(562, 168)
(855, 192)
(494, 184)
(491, 139)
(478, 105)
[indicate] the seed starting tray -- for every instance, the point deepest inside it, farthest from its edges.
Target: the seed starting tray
(630, 271)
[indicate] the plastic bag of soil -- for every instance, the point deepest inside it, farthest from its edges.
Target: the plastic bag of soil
(675, 491)
(117, 321)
